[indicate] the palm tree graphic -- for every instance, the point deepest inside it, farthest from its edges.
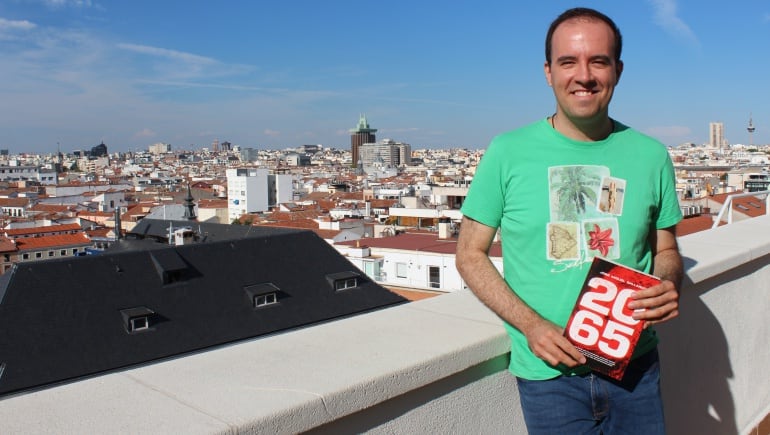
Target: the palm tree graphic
(574, 187)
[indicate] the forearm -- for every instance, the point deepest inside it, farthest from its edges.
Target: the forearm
(667, 265)
(490, 288)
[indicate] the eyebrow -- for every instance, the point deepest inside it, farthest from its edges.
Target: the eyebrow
(603, 57)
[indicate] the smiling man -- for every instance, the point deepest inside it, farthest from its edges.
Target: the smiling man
(541, 186)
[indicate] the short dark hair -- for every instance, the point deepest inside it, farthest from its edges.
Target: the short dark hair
(586, 14)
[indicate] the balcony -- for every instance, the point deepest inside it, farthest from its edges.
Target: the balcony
(432, 366)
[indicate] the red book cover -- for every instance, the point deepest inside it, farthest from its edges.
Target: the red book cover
(601, 326)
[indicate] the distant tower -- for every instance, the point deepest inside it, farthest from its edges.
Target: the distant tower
(716, 135)
(751, 129)
(215, 146)
(189, 205)
(360, 135)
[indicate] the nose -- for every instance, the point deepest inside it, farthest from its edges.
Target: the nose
(584, 74)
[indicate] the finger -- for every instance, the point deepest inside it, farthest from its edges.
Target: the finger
(658, 314)
(557, 351)
(656, 290)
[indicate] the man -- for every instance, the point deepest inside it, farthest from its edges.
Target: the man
(541, 185)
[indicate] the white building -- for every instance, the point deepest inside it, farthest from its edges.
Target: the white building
(159, 148)
(412, 260)
(255, 190)
(387, 152)
(246, 191)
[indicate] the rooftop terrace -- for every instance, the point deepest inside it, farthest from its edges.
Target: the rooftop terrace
(433, 366)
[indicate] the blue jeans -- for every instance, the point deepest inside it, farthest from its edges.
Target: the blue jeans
(593, 404)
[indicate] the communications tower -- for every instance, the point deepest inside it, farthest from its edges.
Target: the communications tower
(751, 129)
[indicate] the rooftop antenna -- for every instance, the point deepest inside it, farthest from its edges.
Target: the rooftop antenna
(751, 129)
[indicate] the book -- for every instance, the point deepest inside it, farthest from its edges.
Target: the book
(601, 326)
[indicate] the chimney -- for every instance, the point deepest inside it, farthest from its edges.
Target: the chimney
(444, 232)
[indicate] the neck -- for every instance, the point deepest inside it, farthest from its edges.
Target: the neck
(584, 130)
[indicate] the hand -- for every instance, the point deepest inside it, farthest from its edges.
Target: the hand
(656, 304)
(547, 342)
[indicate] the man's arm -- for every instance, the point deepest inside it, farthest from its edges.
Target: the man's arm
(661, 302)
(472, 260)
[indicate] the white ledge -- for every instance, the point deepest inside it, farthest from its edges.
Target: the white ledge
(283, 383)
(708, 253)
(299, 380)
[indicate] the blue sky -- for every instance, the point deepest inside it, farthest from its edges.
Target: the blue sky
(276, 74)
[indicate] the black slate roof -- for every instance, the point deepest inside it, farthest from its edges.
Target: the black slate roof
(66, 318)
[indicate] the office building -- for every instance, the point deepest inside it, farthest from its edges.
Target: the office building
(716, 135)
(360, 135)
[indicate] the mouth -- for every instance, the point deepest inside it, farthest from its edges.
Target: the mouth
(584, 93)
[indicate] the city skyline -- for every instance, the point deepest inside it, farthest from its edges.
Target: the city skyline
(79, 72)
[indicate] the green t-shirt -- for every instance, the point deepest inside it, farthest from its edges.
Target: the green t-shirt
(559, 203)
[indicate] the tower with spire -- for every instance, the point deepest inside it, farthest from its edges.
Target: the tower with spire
(360, 135)
(751, 129)
(189, 205)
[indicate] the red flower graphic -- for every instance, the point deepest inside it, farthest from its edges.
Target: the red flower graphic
(600, 240)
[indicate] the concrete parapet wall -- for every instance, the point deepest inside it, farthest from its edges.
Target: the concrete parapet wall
(432, 366)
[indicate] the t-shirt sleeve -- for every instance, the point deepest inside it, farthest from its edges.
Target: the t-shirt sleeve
(485, 200)
(669, 212)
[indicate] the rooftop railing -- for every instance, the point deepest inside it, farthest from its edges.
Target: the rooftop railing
(727, 207)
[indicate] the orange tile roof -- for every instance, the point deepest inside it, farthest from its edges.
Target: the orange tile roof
(302, 223)
(99, 232)
(326, 234)
(14, 202)
(17, 232)
(58, 241)
(694, 224)
(414, 295)
(52, 208)
(7, 245)
(212, 203)
(85, 214)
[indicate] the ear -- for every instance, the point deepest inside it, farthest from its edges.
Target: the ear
(547, 71)
(618, 70)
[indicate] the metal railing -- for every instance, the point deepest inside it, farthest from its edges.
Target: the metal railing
(727, 207)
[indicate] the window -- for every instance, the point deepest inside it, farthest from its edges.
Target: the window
(74, 251)
(262, 295)
(50, 253)
(434, 276)
(401, 270)
(345, 284)
(137, 319)
(266, 299)
(139, 323)
(25, 256)
(38, 255)
(63, 252)
(344, 280)
(7, 257)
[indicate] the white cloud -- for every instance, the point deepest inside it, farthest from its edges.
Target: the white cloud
(271, 133)
(666, 17)
(146, 132)
(16, 25)
(168, 54)
(68, 3)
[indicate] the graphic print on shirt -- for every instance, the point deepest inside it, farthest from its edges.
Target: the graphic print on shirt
(584, 203)
(612, 193)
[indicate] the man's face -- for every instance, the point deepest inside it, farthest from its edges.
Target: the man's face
(583, 72)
